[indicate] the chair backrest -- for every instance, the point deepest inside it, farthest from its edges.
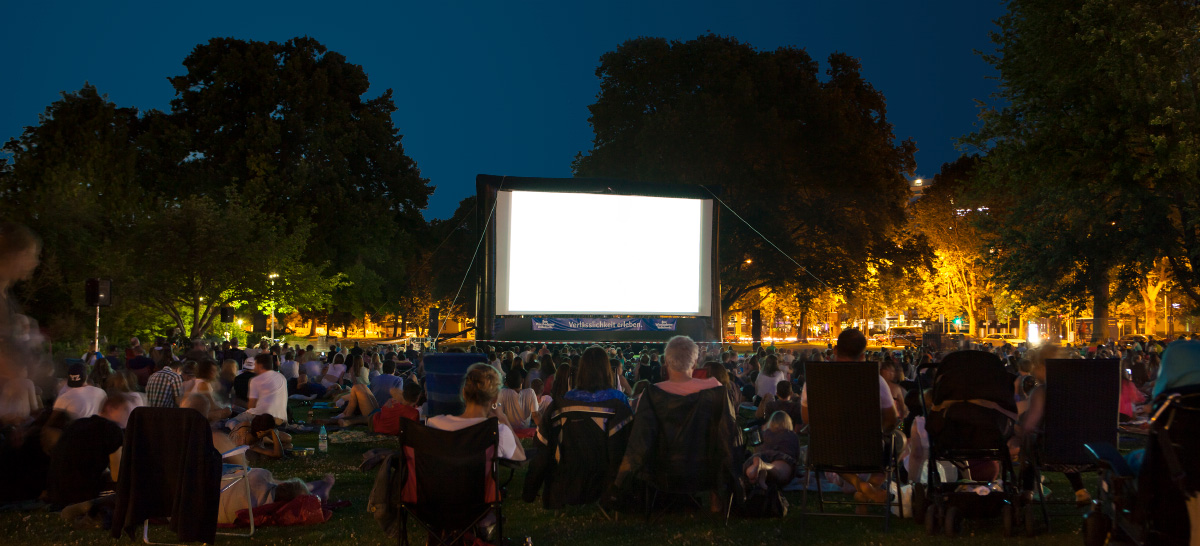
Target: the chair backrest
(845, 427)
(449, 476)
(444, 374)
(1082, 407)
(692, 435)
(169, 468)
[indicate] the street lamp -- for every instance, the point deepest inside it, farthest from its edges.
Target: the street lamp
(273, 276)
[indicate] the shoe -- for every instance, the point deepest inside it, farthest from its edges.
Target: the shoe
(1082, 498)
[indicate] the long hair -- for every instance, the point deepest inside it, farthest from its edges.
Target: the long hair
(594, 373)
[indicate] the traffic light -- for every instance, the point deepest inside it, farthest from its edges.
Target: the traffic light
(957, 322)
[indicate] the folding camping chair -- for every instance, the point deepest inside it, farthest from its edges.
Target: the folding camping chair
(845, 429)
(681, 446)
(159, 480)
(448, 480)
(1082, 407)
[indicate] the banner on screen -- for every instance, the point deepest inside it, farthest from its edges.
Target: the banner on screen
(603, 325)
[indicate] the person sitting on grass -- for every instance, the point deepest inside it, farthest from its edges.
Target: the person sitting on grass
(360, 404)
(258, 433)
(519, 405)
(402, 405)
(784, 401)
(776, 458)
(543, 399)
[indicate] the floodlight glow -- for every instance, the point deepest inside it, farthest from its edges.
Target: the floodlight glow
(574, 253)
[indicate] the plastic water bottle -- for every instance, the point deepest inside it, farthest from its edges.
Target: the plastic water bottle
(323, 441)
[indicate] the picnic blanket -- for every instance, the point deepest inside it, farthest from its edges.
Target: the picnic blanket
(305, 510)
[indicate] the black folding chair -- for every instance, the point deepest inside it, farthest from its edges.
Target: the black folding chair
(845, 430)
(1082, 407)
(449, 480)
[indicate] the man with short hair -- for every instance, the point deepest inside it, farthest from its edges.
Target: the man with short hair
(266, 394)
(79, 400)
(85, 450)
(165, 387)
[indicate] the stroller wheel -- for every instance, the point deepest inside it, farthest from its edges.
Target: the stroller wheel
(1096, 527)
(1008, 517)
(953, 522)
(920, 504)
(932, 515)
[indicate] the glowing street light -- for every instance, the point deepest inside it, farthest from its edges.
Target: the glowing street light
(273, 276)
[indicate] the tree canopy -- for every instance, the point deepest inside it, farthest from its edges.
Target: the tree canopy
(809, 160)
(271, 159)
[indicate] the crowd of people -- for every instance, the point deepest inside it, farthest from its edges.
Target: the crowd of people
(588, 414)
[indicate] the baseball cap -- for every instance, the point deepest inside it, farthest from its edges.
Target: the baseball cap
(76, 375)
(248, 364)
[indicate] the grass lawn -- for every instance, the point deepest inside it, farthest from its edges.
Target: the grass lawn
(353, 525)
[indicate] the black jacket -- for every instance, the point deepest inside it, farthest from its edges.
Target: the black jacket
(683, 444)
(169, 468)
(580, 447)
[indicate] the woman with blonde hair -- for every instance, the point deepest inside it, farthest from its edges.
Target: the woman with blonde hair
(480, 389)
(775, 459)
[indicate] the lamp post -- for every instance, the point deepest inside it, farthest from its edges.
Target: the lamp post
(273, 276)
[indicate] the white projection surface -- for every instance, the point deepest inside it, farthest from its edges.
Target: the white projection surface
(575, 253)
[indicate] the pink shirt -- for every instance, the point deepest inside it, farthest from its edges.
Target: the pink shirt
(691, 386)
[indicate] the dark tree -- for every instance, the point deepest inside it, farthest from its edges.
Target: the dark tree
(809, 160)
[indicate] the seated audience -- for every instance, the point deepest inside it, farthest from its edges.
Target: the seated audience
(582, 438)
(267, 392)
(261, 435)
(518, 404)
(382, 384)
(87, 458)
(165, 387)
(79, 400)
(481, 388)
(401, 405)
(851, 347)
(782, 401)
(776, 458)
(769, 376)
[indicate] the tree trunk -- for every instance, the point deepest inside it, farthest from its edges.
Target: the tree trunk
(403, 325)
(1100, 296)
(394, 325)
(312, 327)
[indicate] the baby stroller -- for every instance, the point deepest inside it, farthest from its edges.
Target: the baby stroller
(1150, 506)
(969, 423)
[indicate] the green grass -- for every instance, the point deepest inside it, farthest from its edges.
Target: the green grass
(580, 526)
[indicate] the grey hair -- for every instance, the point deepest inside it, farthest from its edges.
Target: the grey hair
(681, 354)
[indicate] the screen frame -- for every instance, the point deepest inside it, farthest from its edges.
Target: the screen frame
(490, 326)
(503, 232)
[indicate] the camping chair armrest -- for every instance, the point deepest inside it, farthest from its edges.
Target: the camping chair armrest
(239, 450)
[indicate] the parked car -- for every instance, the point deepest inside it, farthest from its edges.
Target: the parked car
(998, 340)
(901, 336)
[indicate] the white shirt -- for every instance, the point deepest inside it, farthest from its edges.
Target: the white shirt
(508, 441)
(270, 391)
(336, 370)
(80, 402)
(767, 384)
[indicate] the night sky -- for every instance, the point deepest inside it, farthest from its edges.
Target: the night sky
(500, 87)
